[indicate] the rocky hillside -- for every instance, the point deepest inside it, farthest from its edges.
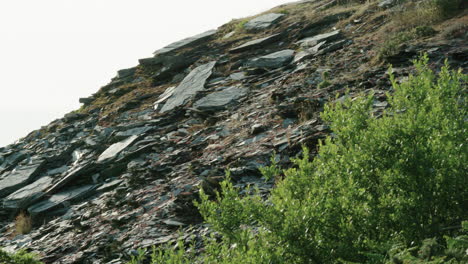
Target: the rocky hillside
(121, 172)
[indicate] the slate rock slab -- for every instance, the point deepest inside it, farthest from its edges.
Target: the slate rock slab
(273, 60)
(75, 172)
(184, 43)
(163, 97)
(219, 100)
(114, 150)
(312, 41)
(28, 194)
(193, 83)
(19, 178)
(60, 199)
(264, 21)
(134, 131)
(256, 43)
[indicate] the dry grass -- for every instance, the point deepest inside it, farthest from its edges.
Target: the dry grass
(23, 223)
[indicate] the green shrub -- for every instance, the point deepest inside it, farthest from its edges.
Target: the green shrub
(396, 178)
(376, 188)
(21, 257)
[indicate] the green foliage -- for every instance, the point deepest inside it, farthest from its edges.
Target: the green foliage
(392, 45)
(166, 255)
(21, 257)
(376, 188)
(325, 81)
(272, 171)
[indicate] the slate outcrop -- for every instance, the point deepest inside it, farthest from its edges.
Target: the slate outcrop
(122, 172)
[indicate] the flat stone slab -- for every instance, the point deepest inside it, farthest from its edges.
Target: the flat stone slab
(264, 21)
(219, 100)
(197, 39)
(190, 85)
(163, 97)
(256, 43)
(114, 150)
(312, 41)
(60, 199)
(273, 60)
(28, 194)
(19, 178)
(73, 174)
(134, 131)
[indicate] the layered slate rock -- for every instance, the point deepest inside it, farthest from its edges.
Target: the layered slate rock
(220, 100)
(28, 194)
(163, 97)
(193, 83)
(19, 178)
(60, 199)
(264, 21)
(256, 43)
(75, 172)
(187, 42)
(114, 150)
(273, 60)
(312, 41)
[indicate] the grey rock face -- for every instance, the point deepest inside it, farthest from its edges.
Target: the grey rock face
(219, 100)
(28, 194)
(256, 43)
(60, 198)
(237, 76)
(134, 131)
(114, 150)
(387, 3)
(312, 41)
(73, 174)
(19, 178)
(273, 60)
(264, 21)
(186, 42)
(191, 84)
(163, 97)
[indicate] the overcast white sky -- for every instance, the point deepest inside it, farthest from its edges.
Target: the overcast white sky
(52, 52)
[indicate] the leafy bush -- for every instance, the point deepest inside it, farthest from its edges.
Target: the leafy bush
(377, 187)
(21, 257)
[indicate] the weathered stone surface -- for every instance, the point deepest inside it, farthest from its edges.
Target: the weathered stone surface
(191, 84)
(219, 100)
(134, 131)
(256, 43)
(163, 97)
(86, 100)
(237, 76)
(387, 3)
(273, 60)
(264, 21)
(59, 199)
(124, 73)
(28, 194)
(19, 178)
(312, 41)
(114, 150)
(73, 174)
(195, 40)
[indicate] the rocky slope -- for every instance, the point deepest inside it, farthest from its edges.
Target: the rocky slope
(121, 172)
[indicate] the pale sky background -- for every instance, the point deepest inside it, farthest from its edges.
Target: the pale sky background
(52, 52)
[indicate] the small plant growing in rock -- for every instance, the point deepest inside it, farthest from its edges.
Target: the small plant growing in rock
(325, 81)
(23, 223)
